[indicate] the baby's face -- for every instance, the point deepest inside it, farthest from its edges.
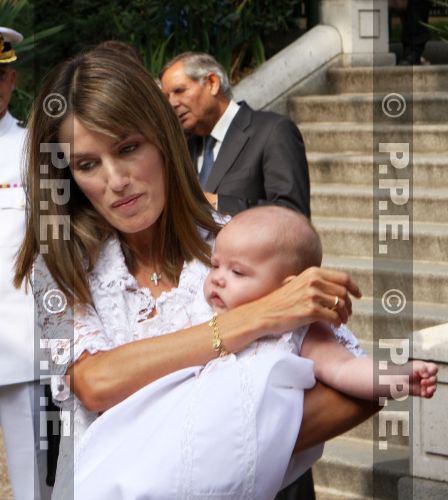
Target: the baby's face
(242, 270)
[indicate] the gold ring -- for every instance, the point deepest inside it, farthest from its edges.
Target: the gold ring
(336, 302)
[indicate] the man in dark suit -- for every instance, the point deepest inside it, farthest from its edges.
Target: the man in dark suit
(243, 157)
(253, 157)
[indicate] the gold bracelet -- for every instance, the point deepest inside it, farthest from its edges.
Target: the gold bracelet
(217, 342)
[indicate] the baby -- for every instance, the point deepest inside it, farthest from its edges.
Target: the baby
(261, 249)
(228, 429)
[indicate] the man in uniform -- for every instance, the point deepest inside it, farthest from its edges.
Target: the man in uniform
(18, 421)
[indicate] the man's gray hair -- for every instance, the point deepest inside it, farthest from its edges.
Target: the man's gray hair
(198, 65)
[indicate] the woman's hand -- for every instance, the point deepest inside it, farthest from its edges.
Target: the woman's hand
(316, 294)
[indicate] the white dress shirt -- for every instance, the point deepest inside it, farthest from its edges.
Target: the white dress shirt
(219, 131)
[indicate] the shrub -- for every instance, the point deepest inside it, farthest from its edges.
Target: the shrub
(234, 31)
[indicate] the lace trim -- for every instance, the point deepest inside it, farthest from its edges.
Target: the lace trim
(120, 305)
(345, 337)
(185, 484)
(249, 418)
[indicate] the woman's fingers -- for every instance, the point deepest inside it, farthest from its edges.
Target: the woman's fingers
(343, 306)
(344, 312)
(343, 279)
(335, 317)
(348, 304)
(331, 290)
(316, 294)
(332, 282)
(325, 307)
(338, 286)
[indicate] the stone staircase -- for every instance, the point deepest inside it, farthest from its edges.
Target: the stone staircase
(337, 129)
(338, 135)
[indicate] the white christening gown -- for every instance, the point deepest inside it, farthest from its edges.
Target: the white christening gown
(226, 431)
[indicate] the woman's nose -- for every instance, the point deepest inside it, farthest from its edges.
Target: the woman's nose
(117, 176)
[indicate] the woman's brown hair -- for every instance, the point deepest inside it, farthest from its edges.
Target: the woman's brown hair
(115, 96)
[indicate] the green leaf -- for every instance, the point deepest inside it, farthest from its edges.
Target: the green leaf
(258, 49)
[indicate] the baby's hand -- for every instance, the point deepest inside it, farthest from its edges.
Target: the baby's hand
(423, 379)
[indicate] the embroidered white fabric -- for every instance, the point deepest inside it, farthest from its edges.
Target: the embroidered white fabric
(210, 433)
(120, 308)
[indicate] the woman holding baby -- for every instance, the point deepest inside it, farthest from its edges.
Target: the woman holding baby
(135, 256)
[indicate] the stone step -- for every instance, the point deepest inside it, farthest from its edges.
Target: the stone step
(427, 170)
(428, 279)
(358, 137)
(388, 79)
(418, 316)
(332, 494)
(347, 466)
(420, 108)
(345, 200)
(339, 136)
(354, 237)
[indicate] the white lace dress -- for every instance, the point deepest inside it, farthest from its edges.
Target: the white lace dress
(220, 432)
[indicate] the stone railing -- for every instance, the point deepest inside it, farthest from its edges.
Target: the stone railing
(430, 417)
(350, 33)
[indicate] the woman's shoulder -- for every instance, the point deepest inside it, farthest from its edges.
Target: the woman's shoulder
(193, 274)
(110, 268)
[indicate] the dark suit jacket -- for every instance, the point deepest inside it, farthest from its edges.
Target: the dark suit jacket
(261, 161)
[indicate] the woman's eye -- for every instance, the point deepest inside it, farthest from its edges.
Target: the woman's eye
(129, 148)
(85, 165)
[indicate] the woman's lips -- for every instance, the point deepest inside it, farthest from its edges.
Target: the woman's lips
(126, 202)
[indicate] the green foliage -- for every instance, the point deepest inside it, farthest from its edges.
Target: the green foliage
(10, 11)
(160, 29)
(439, 29)
(234, 31)
(18, 14)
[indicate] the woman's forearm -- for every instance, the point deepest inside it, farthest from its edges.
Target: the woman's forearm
(106, 378)
(328, 413)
